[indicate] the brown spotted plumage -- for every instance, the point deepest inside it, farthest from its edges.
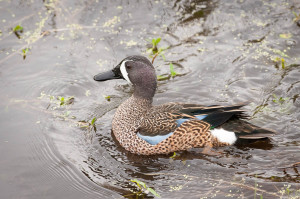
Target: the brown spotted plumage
(182, 126)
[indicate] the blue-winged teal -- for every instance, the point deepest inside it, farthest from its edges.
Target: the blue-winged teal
(142, 128)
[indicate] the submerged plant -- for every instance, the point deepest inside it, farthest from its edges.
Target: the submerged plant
(144, 188)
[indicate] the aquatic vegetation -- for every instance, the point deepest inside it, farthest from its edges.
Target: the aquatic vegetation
(143, 188)
(107, 97)
(163, 77)
(297, 17)
(17, 28)
(286, 191)
(154, 51)
(279, 52)
(88, 125)
(174, 155)
(255, 189)
(68, 101)
(285, 35)
(154, 48)
(172, 74)
(172, 71)
(282, 105)
(282, 63)
(24, 52)
(279, 100)
(280, 60)
(57, 101)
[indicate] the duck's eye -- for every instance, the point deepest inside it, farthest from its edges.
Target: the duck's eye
(128, 66)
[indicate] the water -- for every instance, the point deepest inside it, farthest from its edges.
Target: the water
(227, 51)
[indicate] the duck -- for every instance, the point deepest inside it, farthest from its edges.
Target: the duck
(146, 129)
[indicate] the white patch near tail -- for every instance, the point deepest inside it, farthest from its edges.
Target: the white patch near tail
(224, 136)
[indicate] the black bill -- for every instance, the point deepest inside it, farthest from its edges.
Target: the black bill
(112, 74)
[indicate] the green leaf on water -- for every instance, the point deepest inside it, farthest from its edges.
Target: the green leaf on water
(18, 28)
(62, 101)
(280, 100)
(107, 97)
(295, 14)
(162, 77)
(93, 121)
(174, 155)
(139, 183)
(173, 73)
(142, 185)
(156, 41)
(282, 63)
(297, 17)
(153, 192)
(24, 52)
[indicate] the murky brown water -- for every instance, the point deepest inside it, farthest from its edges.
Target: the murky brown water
(229, 51)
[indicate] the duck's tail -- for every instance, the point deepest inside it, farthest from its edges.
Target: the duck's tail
(246, 130)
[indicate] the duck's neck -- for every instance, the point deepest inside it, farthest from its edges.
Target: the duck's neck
(146, 90)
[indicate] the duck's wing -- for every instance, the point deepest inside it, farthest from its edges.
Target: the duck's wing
(164, 119)
(229, 118)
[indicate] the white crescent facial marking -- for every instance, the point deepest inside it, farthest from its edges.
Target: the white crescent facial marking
(224, 136)
(124, 71)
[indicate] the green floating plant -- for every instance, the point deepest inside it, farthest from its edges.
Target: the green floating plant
(17, 28)
(144, 188)
(280, 60)
(68, 101)
(24, 52)
(279, 100)
(107, 97)
(88, 125)
(172, 71)
(297, 16)
(163, 77)
(174, 155)
(154, 51)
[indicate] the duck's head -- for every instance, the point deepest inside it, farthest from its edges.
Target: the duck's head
(138, 71)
